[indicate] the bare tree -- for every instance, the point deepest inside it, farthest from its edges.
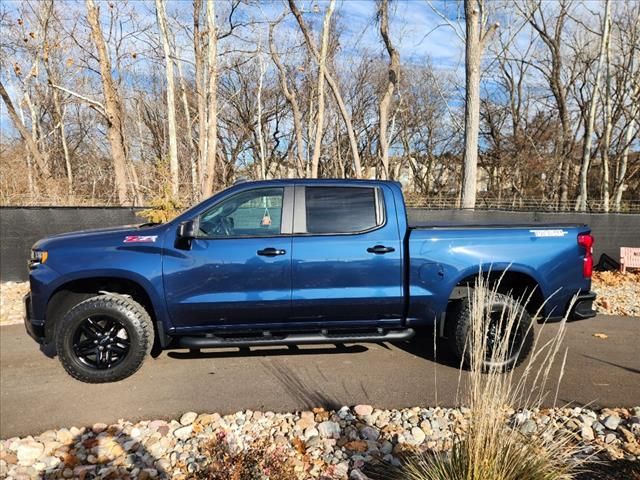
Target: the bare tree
(581, 203)
(201, 93)
(322, 62)
(632, 112)
(535, 102)
(292, 98)
(335, 89)
(551, 35)
(477, 36)
(212, 100)
(39, 157)
(161, 15)
(112, 106)
(392, 81)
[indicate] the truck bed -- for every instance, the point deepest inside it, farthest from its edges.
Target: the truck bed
(453, 224)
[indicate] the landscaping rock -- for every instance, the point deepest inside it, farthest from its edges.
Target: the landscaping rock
(188, 418)
(334, 445)
(329, 430)
(612, 422)
(363, 410)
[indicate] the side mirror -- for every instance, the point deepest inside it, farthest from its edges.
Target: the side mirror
(187, 230)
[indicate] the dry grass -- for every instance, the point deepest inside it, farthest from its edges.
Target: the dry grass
(492, 449)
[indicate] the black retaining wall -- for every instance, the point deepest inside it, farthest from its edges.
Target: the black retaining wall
(22, 227)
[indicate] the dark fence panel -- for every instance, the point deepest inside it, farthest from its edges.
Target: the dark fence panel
(22, 227)
(611, 230)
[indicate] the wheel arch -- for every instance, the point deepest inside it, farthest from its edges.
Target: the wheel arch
(74, 291)
(514, 280)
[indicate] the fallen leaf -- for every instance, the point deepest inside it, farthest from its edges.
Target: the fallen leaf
(356, 446)
(299, 445)
(601, 335)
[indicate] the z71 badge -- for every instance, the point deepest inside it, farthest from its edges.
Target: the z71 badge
(140, 238)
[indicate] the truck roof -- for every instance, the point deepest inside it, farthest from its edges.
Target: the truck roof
(317, 181)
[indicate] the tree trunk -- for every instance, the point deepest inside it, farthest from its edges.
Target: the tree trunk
(620, 186)
(608, 128)
(46, 14)
(581, 204)
(317, 144)
(473, 54)
(112, 104)
(33, 186)
(161, 16)
(65, 146)
(39, 157)
(59, 114)
(293, 102)
(201, 95)
(263, 160)
(187, 114)
(212, 99)
(393, 79)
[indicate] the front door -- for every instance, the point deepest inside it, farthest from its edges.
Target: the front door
(238, 270)
(347, 256)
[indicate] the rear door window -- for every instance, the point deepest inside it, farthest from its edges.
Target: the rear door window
(341, 209)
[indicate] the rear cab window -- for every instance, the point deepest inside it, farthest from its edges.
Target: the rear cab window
(340, 210)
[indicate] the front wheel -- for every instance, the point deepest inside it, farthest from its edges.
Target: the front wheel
(521, 337)
(104, 339)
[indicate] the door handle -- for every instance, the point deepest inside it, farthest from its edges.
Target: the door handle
(271, 252)
(380, 249)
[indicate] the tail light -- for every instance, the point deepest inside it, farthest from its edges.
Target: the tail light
(586, 240)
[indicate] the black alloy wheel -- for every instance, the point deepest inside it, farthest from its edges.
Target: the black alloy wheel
(104, 338)
(101, 342)
(498, 316)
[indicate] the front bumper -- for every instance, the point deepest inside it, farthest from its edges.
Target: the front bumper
(583, 307)
(35, 328)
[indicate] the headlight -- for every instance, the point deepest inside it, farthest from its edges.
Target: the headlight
(38, 257)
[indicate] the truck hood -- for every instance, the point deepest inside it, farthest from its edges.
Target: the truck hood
(109, 234)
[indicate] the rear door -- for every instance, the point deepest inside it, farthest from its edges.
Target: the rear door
(346, 255)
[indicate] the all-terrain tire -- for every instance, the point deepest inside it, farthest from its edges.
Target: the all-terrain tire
(123, 311)
(458, 329)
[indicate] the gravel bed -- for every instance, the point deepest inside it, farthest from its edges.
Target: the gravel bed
(11, 308)
(618, 294)
(316, 444)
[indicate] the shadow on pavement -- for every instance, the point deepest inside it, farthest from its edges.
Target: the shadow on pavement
(422, 345)
(628, 369)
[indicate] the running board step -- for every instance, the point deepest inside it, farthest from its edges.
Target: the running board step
(297, 339)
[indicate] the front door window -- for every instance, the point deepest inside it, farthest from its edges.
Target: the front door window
(253, 213)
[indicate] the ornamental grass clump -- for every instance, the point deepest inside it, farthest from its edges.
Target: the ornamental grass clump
(493, 447)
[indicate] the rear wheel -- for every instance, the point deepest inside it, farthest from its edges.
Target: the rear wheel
(520, 338)
(104, 339)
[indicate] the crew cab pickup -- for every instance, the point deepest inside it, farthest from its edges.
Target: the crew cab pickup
(288, 262)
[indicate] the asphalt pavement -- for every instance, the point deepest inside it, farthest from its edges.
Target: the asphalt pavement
(36, 394)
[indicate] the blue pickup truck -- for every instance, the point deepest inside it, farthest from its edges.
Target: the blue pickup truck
(289, 262)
